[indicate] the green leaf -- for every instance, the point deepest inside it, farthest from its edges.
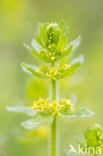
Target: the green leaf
(64, 29)
(80, 113)
(70, 71)
(42, 32)
(22, 109)
(75, 44)
(78, 59)
(35, 45)
(32, 124)
(62, 43)
(62, 26)
(35, 53)
(70, 49)
(32, 70)
(38, 40)
(65, 53)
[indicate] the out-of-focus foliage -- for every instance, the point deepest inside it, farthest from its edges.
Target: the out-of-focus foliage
(94, 136)
(34, 136)
(18, 20)
(37, 88)
(93, 140)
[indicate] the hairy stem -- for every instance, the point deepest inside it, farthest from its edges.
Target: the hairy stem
(53, 126)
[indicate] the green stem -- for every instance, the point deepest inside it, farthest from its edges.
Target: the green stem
(53, 126)
(53, 138)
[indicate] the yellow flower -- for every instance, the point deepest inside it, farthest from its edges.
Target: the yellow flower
(67, 103)
(53, 108)
(40, 104)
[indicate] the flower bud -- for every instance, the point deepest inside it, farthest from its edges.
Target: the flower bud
(52, 35)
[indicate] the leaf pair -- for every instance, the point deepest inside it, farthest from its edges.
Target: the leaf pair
(41, 120)
(38, 119)
(67, 72)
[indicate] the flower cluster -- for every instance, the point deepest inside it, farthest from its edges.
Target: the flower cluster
(50, 56)
(53, 108)
(53, 72)
(41, 105)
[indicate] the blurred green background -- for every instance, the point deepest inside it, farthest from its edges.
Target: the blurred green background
(18, 22)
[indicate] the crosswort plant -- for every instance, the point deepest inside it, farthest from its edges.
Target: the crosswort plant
(51, 46)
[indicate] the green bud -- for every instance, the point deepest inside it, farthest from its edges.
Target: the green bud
(53, 33)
